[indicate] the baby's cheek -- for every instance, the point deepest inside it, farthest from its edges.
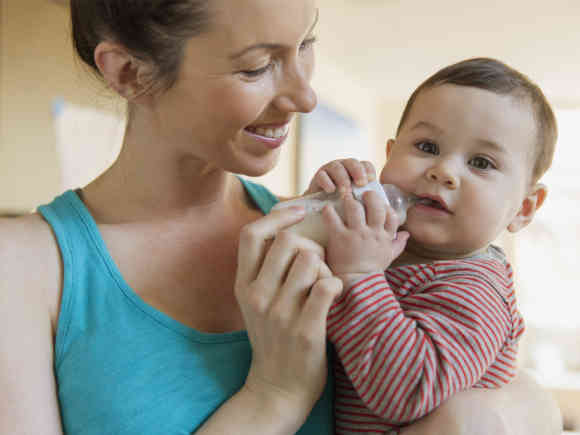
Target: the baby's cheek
(395, 175)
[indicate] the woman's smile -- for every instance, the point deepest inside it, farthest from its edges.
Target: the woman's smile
(273, 136)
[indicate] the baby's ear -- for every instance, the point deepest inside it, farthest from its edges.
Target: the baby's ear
(530, 204)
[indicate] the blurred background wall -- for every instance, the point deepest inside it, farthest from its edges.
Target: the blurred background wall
(371, 54)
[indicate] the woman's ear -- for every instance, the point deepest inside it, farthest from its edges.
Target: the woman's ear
(121, 71)
(530, 204)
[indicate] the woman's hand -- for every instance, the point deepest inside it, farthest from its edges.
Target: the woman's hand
(285, 290)
(520, 408)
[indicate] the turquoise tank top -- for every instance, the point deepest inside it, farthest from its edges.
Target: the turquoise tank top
(123, 367)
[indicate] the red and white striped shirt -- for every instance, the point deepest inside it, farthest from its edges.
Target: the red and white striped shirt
(410, 338)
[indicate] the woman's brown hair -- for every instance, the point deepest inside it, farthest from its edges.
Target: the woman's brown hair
(153, 31)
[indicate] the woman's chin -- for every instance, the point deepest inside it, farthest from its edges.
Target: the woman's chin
(262, 165)
(256, 170)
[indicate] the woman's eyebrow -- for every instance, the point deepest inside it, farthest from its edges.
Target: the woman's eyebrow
(269, 45)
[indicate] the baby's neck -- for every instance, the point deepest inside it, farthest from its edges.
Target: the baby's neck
(419, 255)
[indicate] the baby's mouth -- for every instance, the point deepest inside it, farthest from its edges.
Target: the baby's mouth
(433, 203)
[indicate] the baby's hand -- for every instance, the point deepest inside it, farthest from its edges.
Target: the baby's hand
(366, 242)
(340, 174)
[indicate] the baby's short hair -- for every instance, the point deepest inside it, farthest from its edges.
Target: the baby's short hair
(495, 76)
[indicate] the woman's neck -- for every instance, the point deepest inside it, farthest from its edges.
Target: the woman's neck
(148, 182)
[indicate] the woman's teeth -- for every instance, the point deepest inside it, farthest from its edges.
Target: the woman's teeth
(273, 133)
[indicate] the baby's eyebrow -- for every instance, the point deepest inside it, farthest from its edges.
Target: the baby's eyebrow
(492, 145)
(425, 124)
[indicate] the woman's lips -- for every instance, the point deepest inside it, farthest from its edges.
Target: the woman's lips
(272, 136)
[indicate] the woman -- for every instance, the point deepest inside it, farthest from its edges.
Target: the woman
(123, 304)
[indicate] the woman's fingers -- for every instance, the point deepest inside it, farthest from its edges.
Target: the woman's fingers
(318, 302)
(302, 275)
(254, 237)
(280, 257)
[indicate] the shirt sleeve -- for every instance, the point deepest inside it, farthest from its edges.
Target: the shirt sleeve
(406, 357)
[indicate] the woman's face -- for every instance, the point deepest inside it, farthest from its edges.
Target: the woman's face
(240, 85)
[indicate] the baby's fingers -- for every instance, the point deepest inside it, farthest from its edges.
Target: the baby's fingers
(370, 170)
(332, 219)
(361, 173)
(399, 243)
(354, 212)
(322, 181)
(375, 209)
(338, 172)
(392, 221)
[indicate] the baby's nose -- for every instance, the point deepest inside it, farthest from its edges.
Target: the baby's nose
(440, 174)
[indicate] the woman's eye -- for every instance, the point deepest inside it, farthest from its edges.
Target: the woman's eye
(307, 43)
(253, 73)
(428, 147)
(481, 163)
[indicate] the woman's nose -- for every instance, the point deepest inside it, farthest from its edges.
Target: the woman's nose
(444, 175)
(296, 94)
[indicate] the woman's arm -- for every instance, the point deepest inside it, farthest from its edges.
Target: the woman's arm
(285, 291)
(520, 408)
(29, 282)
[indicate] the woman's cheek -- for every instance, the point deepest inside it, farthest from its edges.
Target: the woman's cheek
(245, 101)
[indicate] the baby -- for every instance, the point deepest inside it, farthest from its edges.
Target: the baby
(430, 310)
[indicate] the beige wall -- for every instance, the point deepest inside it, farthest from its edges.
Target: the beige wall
(36, 66)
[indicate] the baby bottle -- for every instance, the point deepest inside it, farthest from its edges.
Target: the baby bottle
(313, 227)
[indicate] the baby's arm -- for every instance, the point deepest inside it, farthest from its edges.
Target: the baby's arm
(406, 358)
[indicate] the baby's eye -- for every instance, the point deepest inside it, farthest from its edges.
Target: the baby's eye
(481, 163)
(428, 147)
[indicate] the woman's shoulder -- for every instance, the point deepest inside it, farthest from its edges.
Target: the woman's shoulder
(30, 265)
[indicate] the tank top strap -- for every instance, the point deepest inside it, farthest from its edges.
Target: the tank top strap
(77, 236)
(261, 196)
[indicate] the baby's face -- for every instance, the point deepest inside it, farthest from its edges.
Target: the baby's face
(471, 152)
